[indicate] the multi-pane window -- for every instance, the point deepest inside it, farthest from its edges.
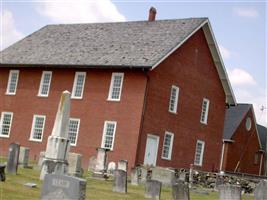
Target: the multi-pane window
(5, 123)
(45, 84)
(78, 85)
(167, 146)
(115, 87)
(108, 135)
(173, 99)
(204, 111)
(12, 82)
(73, 130)
(199, 153)
(38, 124)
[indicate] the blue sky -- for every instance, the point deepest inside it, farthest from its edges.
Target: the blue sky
(239, 27)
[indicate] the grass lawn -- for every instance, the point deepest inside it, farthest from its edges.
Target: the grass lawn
(13, 188)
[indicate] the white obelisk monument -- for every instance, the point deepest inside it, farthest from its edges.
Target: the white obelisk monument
(57, 148)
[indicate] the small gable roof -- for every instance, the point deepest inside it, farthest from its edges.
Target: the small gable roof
(140, 44)
(233, 117)
(262, 130)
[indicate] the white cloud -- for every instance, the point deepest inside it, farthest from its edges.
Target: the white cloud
(226, 54)
(247, 90)
(9, 33)
(240, 77)
(246, 12)
(80, 11)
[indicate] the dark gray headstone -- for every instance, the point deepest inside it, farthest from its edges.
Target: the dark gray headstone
(63, 187)
(260, 192)
(153, 189)
(180, 191)
(120, 181)
(227, 192)
(2, 172)
(13, 158)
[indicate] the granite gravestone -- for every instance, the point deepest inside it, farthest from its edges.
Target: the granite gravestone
(111, 167)
(24, 156)
(260, 192)
(57, 187)
(164, 175)
(123, 165)
(153, 189)
(75, 164)
(227, 192)
(120, 181)
(135, 176)
(180, 191)
(101, 163)
(41, 159)
(13, 158)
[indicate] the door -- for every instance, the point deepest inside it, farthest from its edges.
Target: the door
(152, 143)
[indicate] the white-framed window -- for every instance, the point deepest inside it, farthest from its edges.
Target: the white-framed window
(37, 130)
(173, 99)
(109, 134)
(167, 146)
(200, 145)
(74, 125)
(45, 84)
(78, 85)
(12, 82)
(5, 124)
(115, 87)
(204, 111)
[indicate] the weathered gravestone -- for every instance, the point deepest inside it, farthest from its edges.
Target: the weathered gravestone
(182, 176)
(219, 180)
(153, 189)
(92, 164)
(24, 156)
(57, 187)
(227, 192)
(41, 159)
(120, 181)
(101, 163)
(143, 174)
(111, 167)
(123, 165)
(135, 176)
(75, 164)
(164, 175)
(13, 158)
(180, 191)
(260, 192)
(57, 148)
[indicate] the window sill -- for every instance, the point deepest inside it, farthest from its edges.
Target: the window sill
(114, 100)
(204, 123)
(34, 140)
(10, 94)
(4, 136)
(169, 159)
(198, 165)
(42, 96)
(78, 98)
(172, 112)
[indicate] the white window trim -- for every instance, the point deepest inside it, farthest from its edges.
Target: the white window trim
(9, 80)
(171, 144)
(41, 84)
(33, 124)
(1, 124)
(206, 113)
(78, 128)
(104, 134)
(75, 84)
(176, 100)
(202, 153)
(111, 86)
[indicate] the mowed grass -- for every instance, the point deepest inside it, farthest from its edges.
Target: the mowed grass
(13, 188)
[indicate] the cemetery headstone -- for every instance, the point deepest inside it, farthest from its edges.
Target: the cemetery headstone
(120, 181)
(260, 192)
(111, 167)
(153, 189)
(123, 165)
(135, 176)
(75, 164)
(164, 175)
(63, 187)
(92, 164)
(57, 147)
(180, 191)
(182, 176)
(2, 172)
(101, 163)
(219, 180)
(143, 174)
(227, 192)
(24, 156)
(41, 158)
(13, 158)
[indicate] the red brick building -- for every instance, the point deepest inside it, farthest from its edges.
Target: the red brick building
(244, 142)
(152, 92)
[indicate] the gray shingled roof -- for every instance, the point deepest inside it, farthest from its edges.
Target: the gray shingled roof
(132, 44)
(263, 135)
(233, 117)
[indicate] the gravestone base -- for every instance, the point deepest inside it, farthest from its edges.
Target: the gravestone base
(63, 187)
(99, 175)
(53, 167)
